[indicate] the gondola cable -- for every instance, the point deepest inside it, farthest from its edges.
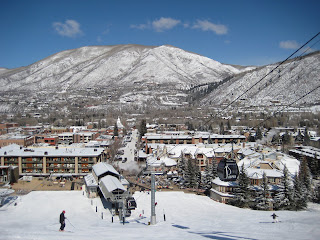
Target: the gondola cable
(236, 99)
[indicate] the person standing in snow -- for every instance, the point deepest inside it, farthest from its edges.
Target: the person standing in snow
(274, 216)
(62, 221)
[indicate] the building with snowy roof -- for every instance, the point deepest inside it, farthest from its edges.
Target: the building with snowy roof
(201, 154)
(19, 139)
(105, 179)
(44, 161)
(222, 191)
(197, 138)
(305, 151)
(271, 164)
(256, 164)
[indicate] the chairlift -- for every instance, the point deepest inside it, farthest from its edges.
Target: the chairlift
(228, 170)
(131, 203)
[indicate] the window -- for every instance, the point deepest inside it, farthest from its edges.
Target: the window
(255, 181)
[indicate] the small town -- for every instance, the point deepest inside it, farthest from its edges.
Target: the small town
(64, 158)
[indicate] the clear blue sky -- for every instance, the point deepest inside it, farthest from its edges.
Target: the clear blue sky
(244, 32)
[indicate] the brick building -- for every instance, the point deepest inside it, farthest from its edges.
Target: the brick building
(21, 140)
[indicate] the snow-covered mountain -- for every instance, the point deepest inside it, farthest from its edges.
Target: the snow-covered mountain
(156, 76)
(263, 87)
(119, 65)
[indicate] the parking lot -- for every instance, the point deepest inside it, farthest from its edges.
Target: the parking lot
(46, 184)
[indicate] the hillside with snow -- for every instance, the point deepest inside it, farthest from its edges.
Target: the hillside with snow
(119, 65)
(163, 76)
(267, 87)
(188, 216)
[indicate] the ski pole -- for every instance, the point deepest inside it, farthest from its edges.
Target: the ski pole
(70, 223)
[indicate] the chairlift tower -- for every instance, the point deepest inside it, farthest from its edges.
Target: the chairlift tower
(153, 207)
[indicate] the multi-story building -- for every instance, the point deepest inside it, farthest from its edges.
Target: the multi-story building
(58, 130)
(19, 139)
(192, 139)
(6, 127)
(310, 153)
(47, 160)
(79, 137)
(84, 137)
(48, 139)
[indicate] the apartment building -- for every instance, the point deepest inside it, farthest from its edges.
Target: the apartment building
(47, 160)
(19, 139)
(192, 139)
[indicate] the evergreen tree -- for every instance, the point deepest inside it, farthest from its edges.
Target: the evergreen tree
(286, 138)
(305, 178)
(242, 195)
(299, 137)
(190, 174)
(283, 197)
(275, 138)
(258, 134)
(198, 177)
(314, 166)
(306, 139)
(143, 127)
(221, 128)
(189, 126)
(214, 168)
(115, 130)
(263, 200)
(182, 163)
(316, 197)
(207, 177)
(229, 125)
(299, 201)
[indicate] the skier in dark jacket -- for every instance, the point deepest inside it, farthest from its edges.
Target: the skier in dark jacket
(62, 221)
(274, 216)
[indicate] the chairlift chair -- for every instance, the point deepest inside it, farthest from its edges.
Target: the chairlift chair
(228, 170)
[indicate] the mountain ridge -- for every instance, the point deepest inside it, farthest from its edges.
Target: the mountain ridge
(161, 76)
(118, 61)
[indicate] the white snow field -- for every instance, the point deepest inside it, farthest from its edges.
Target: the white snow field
(188, 216)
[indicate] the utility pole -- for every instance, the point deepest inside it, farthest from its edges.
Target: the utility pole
(153, 210)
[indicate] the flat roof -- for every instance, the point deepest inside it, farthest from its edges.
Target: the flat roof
(15, 150)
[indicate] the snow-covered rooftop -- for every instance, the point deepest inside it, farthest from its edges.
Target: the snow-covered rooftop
(102, 167)
(90, 181)
(111, 183)
(217, 181)
(15, 150)
(255, 173)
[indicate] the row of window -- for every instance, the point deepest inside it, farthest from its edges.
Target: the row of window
(27, 170)
(24, 160)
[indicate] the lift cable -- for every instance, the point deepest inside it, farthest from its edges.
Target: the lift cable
(236, 99)
(287, 106)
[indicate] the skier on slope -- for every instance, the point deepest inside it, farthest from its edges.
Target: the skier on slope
(274, 217)
(62, 221)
